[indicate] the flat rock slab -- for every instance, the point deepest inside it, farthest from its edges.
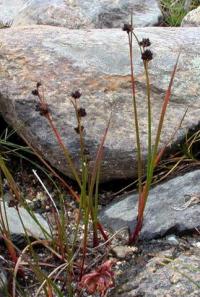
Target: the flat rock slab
(97, 62)
(15, 226)
(172, 207)
(76, 14)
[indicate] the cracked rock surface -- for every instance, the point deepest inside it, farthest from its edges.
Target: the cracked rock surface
(97, 62)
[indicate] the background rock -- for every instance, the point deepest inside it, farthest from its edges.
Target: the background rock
(96, 61)
(165, 211)
(55, 13)
(15, 227)
(86, 13)
(192, 19)
(9, 9)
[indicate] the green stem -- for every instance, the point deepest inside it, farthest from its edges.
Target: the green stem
(65, 151)
(139, 158)
(148, 90)
(85, 239)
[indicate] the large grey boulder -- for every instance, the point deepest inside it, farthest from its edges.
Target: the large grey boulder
(77, 14)
(172, 207)
(96, 61)
(192, 18)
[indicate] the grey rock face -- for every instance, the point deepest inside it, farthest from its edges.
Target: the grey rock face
(192, 19)
(15, 226)
(97, 62)
(172, 207)
(77, 14)
(54, 13)
(179, 277)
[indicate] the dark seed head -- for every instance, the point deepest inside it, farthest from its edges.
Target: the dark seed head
(127, 28)
(35, 92)
(145, 42)
(78, 130)
(38, 84)
(86, 152)
(147, 55)
(82, 112)
(76, 94)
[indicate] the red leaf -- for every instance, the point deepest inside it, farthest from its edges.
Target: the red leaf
(100, 280)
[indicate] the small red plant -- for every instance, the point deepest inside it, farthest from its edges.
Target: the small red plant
(100, 280)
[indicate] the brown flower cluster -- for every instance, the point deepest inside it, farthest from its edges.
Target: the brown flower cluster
(147, 54)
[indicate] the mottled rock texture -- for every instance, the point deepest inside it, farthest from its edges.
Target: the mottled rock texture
(77, 14)
(172, 207)
(192, 19)
(162, 276)
(8, 10)
(97, 62)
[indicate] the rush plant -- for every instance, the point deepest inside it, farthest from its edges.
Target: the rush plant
(154, 154)
(87, 179)
(175, 10)
(73, 266)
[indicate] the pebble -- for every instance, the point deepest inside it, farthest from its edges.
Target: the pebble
(172, 239)
(197, 244)
(123, 252)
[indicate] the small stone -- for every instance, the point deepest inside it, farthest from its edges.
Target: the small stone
(176, 277)
(196, 244)
(41, 196)
(123, 252)
(172, 239)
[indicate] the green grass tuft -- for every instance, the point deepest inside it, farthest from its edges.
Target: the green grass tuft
(174, 11)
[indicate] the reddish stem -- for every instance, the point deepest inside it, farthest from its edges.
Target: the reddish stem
(134, 236)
